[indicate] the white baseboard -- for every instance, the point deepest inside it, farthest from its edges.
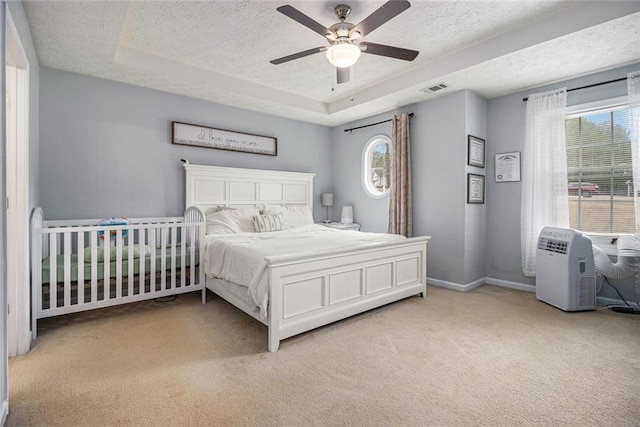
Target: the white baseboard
(480, 282)
(456, 286)
(4, 412)
(600, 301)
(511, 285)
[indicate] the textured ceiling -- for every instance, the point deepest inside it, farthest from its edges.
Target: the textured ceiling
(220, 50)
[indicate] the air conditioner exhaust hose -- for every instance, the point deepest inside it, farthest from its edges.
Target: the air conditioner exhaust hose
(628, 262)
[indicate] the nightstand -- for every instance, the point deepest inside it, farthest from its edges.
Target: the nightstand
(340, 226)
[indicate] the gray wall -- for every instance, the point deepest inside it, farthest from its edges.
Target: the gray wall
(438, 144)
(372, 214)
(475, 218)
(106, 147)
(439, 131)
(506, 122)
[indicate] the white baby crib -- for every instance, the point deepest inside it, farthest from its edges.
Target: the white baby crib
(78, 265)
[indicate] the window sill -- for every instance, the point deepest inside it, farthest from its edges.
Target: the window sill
(603, 241)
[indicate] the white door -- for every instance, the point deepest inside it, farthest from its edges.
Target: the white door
(17, 188)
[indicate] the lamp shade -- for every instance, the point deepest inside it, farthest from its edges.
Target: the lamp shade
(326, 199)
(343, 55)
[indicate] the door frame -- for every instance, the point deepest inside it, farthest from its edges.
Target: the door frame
(17, 193)
(4, 355)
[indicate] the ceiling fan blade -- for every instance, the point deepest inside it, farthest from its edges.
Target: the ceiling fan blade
(343, 74)
(303, 19)
(390, 51)
(386, 12)
(298, 55)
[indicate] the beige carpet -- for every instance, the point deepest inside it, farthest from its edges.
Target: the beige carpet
(492, 356)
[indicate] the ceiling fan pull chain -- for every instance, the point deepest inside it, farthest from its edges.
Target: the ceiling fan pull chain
(353, 83)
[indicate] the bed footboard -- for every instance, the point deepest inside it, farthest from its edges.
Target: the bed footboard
(77, 265)
(306, 293)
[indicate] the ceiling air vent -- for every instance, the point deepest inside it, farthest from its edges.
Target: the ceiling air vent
(435, 88)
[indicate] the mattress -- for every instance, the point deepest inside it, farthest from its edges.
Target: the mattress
(60, 271)
(240, 257)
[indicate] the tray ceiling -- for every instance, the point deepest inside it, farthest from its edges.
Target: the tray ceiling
(220, 50)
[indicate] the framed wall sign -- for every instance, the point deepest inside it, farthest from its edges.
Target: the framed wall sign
(208, 137)
(475, 151)
(475, 188)
(507, 167)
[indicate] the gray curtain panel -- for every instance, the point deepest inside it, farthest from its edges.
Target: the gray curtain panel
(400, 218)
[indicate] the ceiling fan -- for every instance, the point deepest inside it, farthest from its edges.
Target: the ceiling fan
(345, 39)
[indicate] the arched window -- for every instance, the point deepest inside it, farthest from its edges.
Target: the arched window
(376, 166)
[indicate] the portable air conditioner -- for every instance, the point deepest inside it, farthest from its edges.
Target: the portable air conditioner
(565, 271)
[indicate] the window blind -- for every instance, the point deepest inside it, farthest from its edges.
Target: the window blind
(599, 171)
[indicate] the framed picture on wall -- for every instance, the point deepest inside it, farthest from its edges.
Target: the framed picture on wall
(507, 167)
(475, 151)
(475, 188)
(208, 137)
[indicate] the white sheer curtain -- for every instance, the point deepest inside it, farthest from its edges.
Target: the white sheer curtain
(633, 88)
(545, 200)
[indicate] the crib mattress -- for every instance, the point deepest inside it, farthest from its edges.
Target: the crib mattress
(46, 266)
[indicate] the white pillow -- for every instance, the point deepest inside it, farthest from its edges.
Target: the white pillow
(294, 216)
(231, 221)
(217, 208)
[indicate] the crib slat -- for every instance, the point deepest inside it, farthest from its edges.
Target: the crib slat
(94, 266)
(163, 259)
(106, 285)
(142, 260)
(152, 266)
(174, 232)
(118, 263)
(130, 278)
(183, 256)
(67, 269)
(36, 292)
(53, 270)
(192, 256)
(80, 238)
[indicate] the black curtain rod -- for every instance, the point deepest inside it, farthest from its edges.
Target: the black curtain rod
(372, 124)
(588, 86)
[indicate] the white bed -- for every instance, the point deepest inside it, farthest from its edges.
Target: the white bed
(309, 288)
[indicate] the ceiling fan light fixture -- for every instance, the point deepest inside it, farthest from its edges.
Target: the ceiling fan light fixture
(343, 55)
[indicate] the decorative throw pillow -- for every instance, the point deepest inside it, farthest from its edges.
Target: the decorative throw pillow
(268, 222)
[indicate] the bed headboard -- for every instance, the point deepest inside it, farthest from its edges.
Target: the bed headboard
(210, 186)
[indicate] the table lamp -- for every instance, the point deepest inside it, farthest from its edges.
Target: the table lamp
(326, 199)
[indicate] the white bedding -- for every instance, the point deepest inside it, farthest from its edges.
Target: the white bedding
(240, 257)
